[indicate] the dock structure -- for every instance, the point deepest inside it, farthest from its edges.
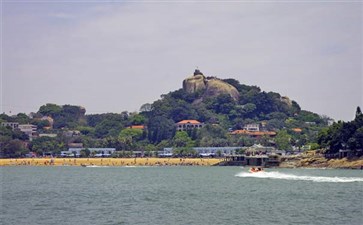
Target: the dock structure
(251, 160)
(207, 151)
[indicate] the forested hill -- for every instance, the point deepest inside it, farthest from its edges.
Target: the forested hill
(230, 104)
(221, 105)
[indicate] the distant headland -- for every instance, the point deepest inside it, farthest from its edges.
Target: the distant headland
(207, 117)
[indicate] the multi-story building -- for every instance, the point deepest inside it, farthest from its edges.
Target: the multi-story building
(99, 152)
(188, 125)
(252, 127)
(13, 125)
(28, 129)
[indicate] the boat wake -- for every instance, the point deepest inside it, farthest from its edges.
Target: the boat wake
(285, 176)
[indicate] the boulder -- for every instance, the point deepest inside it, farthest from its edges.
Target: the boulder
(217, 87)
(286, 100)
(194, 83)
(212, 87)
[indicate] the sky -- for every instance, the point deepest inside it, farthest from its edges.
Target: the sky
(114, 56)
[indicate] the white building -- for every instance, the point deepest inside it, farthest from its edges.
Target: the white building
(100, 152)
(207, 151)
(48, 135)
(252, 127)
(188, 125)
(28, 129)
(13, 125)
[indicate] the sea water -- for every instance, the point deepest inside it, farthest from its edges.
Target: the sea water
(179, 195)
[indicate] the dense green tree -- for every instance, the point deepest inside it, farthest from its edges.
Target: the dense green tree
(6, 132)
(107, 125)
(358, 112)
(42, 123)
(150, 150)
(13, 149)
(12, 142)
(248, 110)
(275, 124)
(147, 107)
(356, 142)
(134, 134)
(47, 144)
(306, 116)
(182, 139)
(137, 119)
(213, 131)
(50, 110)
(223, 104)
(343, 135)
(282, 140)
(160, 128)
(163, 144)
(203, 114)
(17, 134)
(6, 118)
(67, 116)
(182, 111)
(22, 118)
(86, 130)
(107, 128)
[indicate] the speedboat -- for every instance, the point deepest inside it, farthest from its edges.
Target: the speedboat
(256, 169)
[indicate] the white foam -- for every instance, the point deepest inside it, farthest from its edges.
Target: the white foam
(285, 176)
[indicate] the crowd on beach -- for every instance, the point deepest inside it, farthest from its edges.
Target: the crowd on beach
(110, 162)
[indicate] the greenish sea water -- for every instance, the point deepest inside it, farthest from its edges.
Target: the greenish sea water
(179, 195)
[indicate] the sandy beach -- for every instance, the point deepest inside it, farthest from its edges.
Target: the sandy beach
(109, 162)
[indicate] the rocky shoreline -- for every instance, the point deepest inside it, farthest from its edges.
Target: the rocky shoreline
(321, 162)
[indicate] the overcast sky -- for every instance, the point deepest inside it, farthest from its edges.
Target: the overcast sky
(116, 56)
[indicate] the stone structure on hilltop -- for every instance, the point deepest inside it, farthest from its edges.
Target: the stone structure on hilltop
(286, 100)
(195, 83)
(211, 87)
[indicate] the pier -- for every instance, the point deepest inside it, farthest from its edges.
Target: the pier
(272, 160)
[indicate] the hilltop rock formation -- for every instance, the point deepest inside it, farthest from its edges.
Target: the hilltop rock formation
(194, 83)
(286, 100)
(217, 87)
(212, 87)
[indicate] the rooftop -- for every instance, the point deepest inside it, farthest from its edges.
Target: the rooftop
(254, 133)
(189, 122)
(137, 127)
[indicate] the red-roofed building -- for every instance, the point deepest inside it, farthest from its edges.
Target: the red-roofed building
(297, 130)
(254, 133)
(141, 127)
(188, 124)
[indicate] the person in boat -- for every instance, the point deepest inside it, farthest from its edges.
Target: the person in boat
(254, 169)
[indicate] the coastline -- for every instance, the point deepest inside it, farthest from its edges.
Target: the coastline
(321, 162)
(110, 162)
(287, 162)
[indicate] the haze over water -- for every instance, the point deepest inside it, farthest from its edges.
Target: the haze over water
(179, 195)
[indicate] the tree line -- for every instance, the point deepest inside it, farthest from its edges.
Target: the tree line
(220, 115)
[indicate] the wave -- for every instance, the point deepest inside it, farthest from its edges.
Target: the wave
(285, 176)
